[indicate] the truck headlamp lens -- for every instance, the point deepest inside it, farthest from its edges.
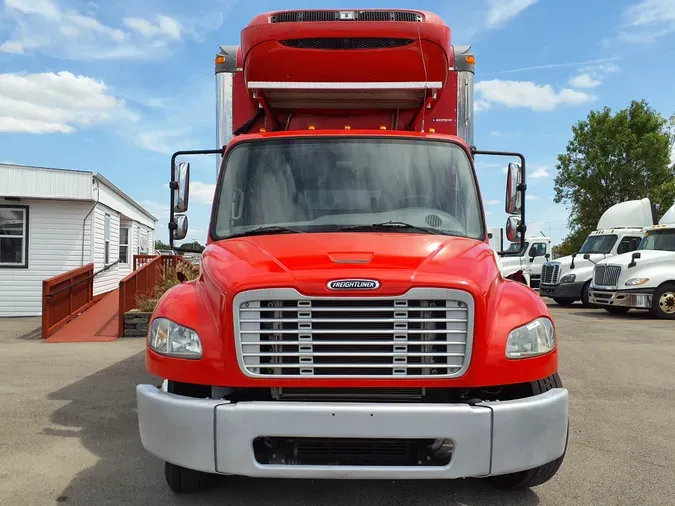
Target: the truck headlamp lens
(535, 338)
(568, 278)
(636, 281)
(169, 338)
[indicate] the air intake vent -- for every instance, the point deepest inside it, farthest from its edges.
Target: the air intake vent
(318, 16)
(346, 43)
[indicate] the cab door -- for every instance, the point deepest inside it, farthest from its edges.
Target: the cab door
(535, 258)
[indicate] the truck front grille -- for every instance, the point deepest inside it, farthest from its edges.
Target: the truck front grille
(606, 275)
(330, 15)
(550, 274)
(426, 332)
(349, 43)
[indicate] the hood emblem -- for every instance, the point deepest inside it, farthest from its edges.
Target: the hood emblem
(353, 284)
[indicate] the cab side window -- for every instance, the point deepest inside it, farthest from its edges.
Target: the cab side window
(627, 244)
(538, 249)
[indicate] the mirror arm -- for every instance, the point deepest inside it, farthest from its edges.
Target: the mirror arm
(173, 185)
(522, 187)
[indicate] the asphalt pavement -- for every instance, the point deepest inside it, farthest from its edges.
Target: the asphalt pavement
(69, 434)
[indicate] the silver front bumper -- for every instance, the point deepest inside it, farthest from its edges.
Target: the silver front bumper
(217, 436)
(620, 298)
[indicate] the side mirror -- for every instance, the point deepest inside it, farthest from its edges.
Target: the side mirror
(182, 191)
(587, 256)
(547, 256)
(513, 197)
(181, 230)
(634, 257)
(489, 235)
(513, 229)
(531, 259)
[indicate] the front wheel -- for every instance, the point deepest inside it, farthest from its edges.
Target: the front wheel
(563, 301)
(663, 302)
(185, 481)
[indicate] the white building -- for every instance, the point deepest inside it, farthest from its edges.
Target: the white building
(52, 221)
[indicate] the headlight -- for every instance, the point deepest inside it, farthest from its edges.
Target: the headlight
(636, 281)
(535, 338)
(169, 338)
(568, 278)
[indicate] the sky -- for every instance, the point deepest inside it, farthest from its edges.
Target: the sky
(116, 87)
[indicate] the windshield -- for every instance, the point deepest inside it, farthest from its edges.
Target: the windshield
(598, 244)
(514, 249)
(329, 184)
(663, 241)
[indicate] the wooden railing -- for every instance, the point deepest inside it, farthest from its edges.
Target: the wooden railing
(142, 281)
(65, 296)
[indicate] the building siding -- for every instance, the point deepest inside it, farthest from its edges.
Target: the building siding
(109, 279)
(40, 183)
(55, 235)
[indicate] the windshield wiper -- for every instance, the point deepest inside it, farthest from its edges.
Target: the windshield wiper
(387, 225)
(273, 229)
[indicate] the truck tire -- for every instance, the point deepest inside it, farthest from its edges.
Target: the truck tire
(185, 481)
(585, 300)
(541, 474)
(563, 302)
(616, 309)
(663, 302)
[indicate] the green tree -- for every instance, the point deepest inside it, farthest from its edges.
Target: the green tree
(160, 245)
(613, 158)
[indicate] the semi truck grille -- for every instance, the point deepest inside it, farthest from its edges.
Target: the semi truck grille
(606, 275)
(550, 274)
(426, 332)
(330, 15)
(346, 43)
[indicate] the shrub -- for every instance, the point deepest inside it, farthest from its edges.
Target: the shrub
(184, 272)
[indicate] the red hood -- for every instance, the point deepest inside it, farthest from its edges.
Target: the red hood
(308, 261)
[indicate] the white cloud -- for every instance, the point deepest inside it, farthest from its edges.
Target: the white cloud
(165, 26)
(495, 133)
(60, 30)
(61, 102)
(593, 75)
(531, 197)
(492, 202)
(539, 173)
(202, 192)
(584, 81)
(501, 11)
(514, 94)
(648, 20)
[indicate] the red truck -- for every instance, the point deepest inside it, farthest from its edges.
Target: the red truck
(350, 319)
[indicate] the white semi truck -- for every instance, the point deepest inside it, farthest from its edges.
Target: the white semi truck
(643, 279)
(620, 230)
(529, 261)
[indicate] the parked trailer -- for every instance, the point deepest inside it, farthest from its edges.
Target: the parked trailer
(350, 319)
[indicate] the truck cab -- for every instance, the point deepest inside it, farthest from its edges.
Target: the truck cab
(643, 279)
(350, 319)
(529, 260)
(620, 230)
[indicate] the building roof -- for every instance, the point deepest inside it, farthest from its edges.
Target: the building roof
(26, 181)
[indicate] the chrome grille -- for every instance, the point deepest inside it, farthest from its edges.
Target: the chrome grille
(425, 332)
(550, 274)
(606, 275)
(330, 15)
